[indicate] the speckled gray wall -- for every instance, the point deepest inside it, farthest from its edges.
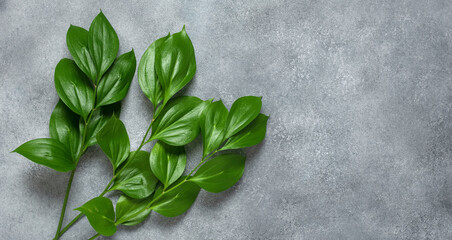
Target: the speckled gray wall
(359, 94)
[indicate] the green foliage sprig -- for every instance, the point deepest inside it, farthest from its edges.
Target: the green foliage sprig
(91, 87)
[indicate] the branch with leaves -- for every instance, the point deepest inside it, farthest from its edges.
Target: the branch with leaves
(91, 87)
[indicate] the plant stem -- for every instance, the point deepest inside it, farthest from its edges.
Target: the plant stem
(200, 163)
(70, 224)
(139, 148)
(107, 187)
(81, 214)
(175, 186)
(111, 181)
(158, 110)
(68, 188)
(63, 209)
(82, 149)
(94, 237)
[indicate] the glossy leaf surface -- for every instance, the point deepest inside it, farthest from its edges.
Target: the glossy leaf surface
(251, 135)
(178, 123)
(147, 76)
(114, 141)
(130, 211)
(100, 214)
(212, 124)
(64, 126)
(74, 88)
(103, 44)
(136, 178)
(175, 63)
(48, 152)
(243, 111)
(77, 43)
(220, 173)
(176, 201)
(116, 82)
(167, 162)
(98, 120)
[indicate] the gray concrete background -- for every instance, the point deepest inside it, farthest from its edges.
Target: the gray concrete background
(360, 98)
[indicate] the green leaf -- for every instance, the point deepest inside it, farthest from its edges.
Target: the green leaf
(220, 173)
(64, 126)
(136, 179)
(175, 63)
(116, 82)
(178, 123)
(74, 88)
(103, 44)
(243, 111)
(212, 124)
(251, 135)
(167, 162)
(114, 141)
(147, 76)
(176, 201)
(98, 120)
(48, 152)
(100, 214)
(130, 211)
(77, 43)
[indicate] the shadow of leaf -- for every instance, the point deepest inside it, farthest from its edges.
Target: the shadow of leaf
(47, 183)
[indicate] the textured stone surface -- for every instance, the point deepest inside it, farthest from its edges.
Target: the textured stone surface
(359, 93)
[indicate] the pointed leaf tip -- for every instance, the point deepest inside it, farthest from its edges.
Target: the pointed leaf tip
(116, 81)
(243, 111)
(251, 135)
(100, 214)
(103, 44)
(48, 152)
(175, 63)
